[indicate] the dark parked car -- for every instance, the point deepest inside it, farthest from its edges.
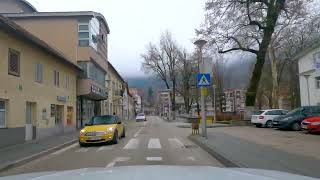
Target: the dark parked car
(293, 119)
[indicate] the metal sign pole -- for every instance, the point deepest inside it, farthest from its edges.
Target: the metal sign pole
(203, 110)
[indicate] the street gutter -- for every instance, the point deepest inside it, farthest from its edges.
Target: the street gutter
(30, 158)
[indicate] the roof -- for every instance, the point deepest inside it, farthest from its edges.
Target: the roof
(306, 51)
(60, 14)
(29, 5)
(19, 32)
(115, 71)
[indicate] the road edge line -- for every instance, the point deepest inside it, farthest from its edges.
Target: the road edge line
(30, 158)
(218, 156)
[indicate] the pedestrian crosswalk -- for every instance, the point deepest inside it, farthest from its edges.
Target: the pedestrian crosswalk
(138, 143)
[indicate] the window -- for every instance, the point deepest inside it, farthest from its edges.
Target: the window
(39, 73)
(83, 34)
(2, 114)
(318, 82)
(88, 31)
(66, 81)
(274, 112)
(14, 62)
(56, 78)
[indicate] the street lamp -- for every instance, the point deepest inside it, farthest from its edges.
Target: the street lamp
(307, 76)
(200, 43)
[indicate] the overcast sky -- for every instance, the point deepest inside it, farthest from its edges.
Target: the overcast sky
(134, 23)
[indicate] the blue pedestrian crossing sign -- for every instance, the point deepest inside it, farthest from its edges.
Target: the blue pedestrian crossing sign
(204, 80)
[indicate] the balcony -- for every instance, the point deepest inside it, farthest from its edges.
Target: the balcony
(88, 53)
(91, 89)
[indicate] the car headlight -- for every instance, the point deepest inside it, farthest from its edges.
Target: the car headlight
(315, 123)
(110, 130)
(82, 132)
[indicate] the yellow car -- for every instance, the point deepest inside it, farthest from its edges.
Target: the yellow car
(101, 129)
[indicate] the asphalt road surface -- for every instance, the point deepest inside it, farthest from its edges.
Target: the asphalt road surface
(155, 142)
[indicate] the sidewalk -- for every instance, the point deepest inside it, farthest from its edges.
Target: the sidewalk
(21, 153)
(235, 151)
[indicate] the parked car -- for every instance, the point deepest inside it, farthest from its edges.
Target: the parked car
(293, 119)
(312, 125)
(101, 129)
(264, 118)
(141, 117)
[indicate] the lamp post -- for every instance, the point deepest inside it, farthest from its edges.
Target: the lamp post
(307, 76)
(200, 43)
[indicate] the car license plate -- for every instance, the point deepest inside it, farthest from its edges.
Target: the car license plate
(94, 138)
(304, 127)
(275, 122)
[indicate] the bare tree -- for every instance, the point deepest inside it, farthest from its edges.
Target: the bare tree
(162, 60)
(246, 25)
(184, 85)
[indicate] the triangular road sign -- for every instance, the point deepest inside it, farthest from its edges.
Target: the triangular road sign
(204, 80)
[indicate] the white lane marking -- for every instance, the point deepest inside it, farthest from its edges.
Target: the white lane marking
(103, 148)
(154, 143)
(138, 132)
(154, 158)
(82, 150)
(176, 143)
(132, 144)
(191, 158)
(144, 123)
(117, 159)
(65, 149)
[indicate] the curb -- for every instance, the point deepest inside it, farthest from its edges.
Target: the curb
(219, 126)
(27, 159)
(222, 159)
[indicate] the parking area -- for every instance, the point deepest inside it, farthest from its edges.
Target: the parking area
(295, 142)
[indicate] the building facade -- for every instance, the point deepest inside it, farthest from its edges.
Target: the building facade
(83, 38)
(309, 76)
(38, 89)
(116, 85)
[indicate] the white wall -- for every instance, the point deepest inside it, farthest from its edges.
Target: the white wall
(306, 65)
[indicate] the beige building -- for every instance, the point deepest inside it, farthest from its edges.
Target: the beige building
(83, 38)
(38, 87)
(114, 104)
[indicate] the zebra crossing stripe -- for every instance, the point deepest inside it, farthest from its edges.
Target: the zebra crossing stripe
(132, 144)
(154, 158)
(176, 143)
(154, 143)
(103, 148)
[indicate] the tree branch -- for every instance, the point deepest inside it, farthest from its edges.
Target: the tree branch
(236, 49)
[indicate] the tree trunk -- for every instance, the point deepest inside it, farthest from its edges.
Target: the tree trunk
(274, 75)
(272, 17)
(173, 100)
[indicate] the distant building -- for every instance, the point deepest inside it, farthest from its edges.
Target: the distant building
(165, 102)
(309, 75)
(137, 99)
(38, 87)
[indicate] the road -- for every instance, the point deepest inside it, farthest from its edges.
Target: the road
(155, 142)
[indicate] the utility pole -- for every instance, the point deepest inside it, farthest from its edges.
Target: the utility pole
(200, 44)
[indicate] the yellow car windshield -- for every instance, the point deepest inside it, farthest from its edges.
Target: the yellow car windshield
(100, 120)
